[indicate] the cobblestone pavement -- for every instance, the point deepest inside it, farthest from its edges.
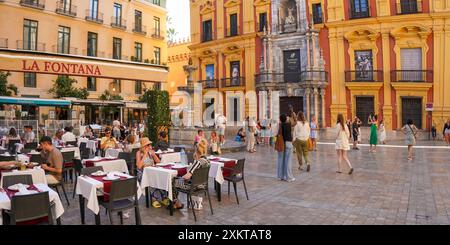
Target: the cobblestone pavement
(384, 189)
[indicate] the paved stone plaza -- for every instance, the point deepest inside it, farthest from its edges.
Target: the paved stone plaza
(384, 189)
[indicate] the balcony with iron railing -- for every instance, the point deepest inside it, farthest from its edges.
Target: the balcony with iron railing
(233, 82)
(139, 29)
(37, 4)
(409, 7)
(21, 45)
(96, 17)
(292, 77)
(60, 50)
(232, 32)
(424, 76)
(208, 36)
(118, 23)
(156, 33)
(359, 14)
(3, 42)
(261, 26)
(210, 83)
(364, 76)
(66, 9)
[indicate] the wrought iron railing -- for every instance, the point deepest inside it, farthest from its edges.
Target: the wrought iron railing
(208, 38)
(33, 46)
(358, 14)
(139, 29)
(94, 16)
(60, 50)
(292, 77)
(3, 42)
(233, 82)
(412, 76)
(66, 9)
(156, 33)
(232, 32)
(211, 83)
(37, 4)
(118, 23)
(364, 76)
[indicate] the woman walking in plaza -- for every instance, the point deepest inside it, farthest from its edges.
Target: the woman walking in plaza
(284, 165)
(300, 136)
(382, 132)
(251, 129)
(410, 131)
(342, 143)
(314, 131)
(446, 132)
(374, 135)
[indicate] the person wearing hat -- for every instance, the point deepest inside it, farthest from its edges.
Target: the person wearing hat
(146, 157)
(108, 141)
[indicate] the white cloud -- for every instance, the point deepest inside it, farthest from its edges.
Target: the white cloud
(179, 12)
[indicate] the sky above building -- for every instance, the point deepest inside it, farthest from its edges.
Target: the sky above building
(179, 13)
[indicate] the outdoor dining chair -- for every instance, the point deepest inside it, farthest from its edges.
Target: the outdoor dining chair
(33, 207)
(122, 197)
(10, 180)
(198, 184)
(235, 175)
(32, 145)
(127, 156)
(85, 171)
(7, 158)
(69, 164)
(12, 148)
(37, 158)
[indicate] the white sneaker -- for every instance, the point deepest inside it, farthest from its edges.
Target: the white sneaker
(126, 215)
(291, 180)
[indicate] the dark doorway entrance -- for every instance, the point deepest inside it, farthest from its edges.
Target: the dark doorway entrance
(208, 104)
(295, 102)
(412, 109)
(365, 105)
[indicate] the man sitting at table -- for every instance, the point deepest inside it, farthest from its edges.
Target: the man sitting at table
(53, 160)
(162, 143)
(108, 141)
(68, 136)
(28, 136)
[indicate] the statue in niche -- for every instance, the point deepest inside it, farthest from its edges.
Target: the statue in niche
(290, 19)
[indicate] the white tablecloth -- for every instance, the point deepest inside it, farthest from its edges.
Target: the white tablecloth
(171, 157)
(119, 165)
(87, 187)
(159, 178)
(74, 149)
(5, 202)
(37, 174)
(215, 171)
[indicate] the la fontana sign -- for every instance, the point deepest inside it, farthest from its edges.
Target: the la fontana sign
(61, 68)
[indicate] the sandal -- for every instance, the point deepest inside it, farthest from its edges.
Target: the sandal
(156, 204)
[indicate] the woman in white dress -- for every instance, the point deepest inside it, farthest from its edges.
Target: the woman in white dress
(382, 133)
(342, 143)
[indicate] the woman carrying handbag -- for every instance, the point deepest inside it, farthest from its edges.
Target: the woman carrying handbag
(410, 131)
(283, 146)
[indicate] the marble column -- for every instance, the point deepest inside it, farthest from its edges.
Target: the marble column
(308, 102)
(322, 97)
(316, 102)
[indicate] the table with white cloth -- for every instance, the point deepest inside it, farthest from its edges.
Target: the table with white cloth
(58, 209)
(109, 165)
(87, 189)
(90, 144)
(215, 171)
(170, 157)
(112, 153)
(37, 174)
(158, 178)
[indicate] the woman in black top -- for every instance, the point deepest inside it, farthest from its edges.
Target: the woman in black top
(284, 165)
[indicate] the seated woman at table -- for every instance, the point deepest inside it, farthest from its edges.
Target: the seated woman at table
(88, 133)
(130, 143)
(146, 157)
(108, 141)
(200, 161)
(53, 160)
(57, 138)
(12, 135)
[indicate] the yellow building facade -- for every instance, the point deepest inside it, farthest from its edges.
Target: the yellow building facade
(116, 46)
(178, 56)
(386, 57)
(226, 49)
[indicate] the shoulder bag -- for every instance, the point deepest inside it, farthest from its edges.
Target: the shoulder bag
(279, 143)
